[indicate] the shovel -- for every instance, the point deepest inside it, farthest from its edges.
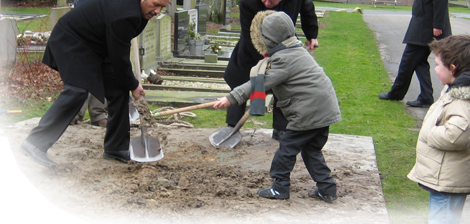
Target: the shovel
(229, 136)
(183, 109)
(10, 111)
(133, 113)
(144, 148)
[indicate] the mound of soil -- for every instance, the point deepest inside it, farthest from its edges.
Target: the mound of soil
(196, 182)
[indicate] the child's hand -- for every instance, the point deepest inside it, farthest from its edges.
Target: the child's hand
(223, 103)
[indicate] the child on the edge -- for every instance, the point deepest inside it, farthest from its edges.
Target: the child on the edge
(443, 149)
(306, 97)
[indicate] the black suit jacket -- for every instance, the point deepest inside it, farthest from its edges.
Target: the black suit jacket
(95, 39)
(244, 55)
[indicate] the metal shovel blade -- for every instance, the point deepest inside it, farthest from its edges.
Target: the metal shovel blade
(226, 136)
(145, 148)
(133, 113)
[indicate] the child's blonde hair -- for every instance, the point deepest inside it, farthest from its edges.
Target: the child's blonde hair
(453, 50)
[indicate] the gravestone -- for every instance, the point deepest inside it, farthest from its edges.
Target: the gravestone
(227, 13)
(171, 7)
(192, 13)
(8, 34)
(147, 46)
(163, 51)
(189, 4)
(181, 29)
(202, 13)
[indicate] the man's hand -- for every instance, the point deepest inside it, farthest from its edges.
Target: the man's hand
(312, 44)
(138, 92)
(436, 32)
(223, 103)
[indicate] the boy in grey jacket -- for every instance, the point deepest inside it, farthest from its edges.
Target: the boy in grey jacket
(306, 97)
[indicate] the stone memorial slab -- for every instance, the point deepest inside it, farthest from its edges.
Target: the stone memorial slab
(147, 46)
(181, 29)
(189, 4)
(227, 13)
(202, 12)
(171, 8)
(7, 42)
(193, 18)
(163, 50)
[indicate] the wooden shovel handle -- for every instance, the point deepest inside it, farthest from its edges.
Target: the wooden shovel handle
(241, 122)
(194, 107)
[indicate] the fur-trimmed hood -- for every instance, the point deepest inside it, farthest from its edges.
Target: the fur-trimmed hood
(460, 88)
(269, 29)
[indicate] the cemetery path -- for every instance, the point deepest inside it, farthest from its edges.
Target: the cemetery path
(197, 183)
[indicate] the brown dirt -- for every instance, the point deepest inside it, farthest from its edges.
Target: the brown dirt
(196, 182)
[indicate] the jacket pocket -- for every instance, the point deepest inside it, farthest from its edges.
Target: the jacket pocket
(428, 167)
(455, 126)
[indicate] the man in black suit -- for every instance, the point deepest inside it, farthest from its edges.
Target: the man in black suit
(245, 56)
(429, 20)
(90, 47)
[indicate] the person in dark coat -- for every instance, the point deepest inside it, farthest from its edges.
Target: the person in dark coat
(429, 20)
(90, 48)
(245, 56)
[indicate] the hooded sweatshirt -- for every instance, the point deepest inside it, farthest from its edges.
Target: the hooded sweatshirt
(305, 94)
(443, 148)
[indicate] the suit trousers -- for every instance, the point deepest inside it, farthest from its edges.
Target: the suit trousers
(58, 117)
(235, 113)
(414, 59)
(309, 143)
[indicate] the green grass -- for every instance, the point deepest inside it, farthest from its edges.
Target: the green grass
(379, 7)
(37, 25)
(350, 57)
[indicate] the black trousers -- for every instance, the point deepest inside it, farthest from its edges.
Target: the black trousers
(309, 144)
(235, 113)
(414, 59)
(58, 117)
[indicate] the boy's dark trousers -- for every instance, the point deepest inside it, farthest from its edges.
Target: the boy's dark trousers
(309, 144)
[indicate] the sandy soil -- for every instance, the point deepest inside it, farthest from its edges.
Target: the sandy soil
(196, 182)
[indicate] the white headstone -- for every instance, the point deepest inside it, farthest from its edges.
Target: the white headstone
(8, 44)
(193, 17)
(163, 50)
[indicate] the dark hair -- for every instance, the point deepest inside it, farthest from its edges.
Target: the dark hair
(453, 50)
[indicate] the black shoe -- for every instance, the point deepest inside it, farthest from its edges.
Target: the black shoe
(277, 134)
(324, 197)
(122, 156)
(36, 154)
(281, 192)
(417, 103)
(385, 96)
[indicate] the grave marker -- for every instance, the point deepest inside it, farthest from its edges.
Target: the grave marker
(7, 42)
(181, 29)
(202, 12)
(163, 50)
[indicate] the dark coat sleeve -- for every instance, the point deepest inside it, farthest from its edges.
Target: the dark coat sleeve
(309, 20)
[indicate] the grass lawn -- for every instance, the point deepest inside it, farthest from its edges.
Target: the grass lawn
(351, 58)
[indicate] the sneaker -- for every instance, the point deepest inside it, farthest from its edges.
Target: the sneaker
(272, 193)
(122, 156)
(316, 194)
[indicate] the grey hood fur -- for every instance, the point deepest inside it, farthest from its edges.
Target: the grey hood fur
(270, 28)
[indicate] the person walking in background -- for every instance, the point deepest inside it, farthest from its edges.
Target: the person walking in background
(97, 111)
(245, 56)
(443, 148)
(306, 98)
(429, 20)
(90, 48)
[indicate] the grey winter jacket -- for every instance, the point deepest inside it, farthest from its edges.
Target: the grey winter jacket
(443, 148)
(305, 94)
